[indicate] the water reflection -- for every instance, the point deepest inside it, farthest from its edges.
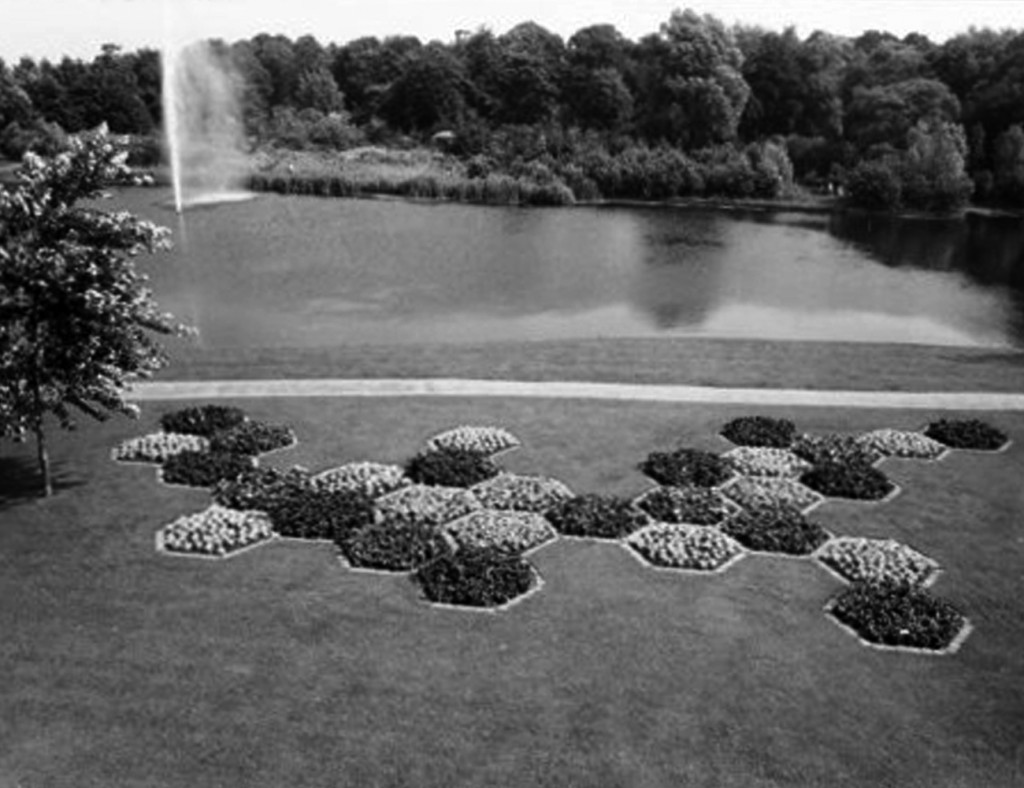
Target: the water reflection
(286, 271)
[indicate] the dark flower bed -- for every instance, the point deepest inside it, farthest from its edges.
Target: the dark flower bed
(966, 434)
(307, 513)
(204, 469)
(760, 431)
(205, 420)
(685, 467)
(260, 488)
(695, 505)
(895, 614)
(253, 437)
(855, 480)
(450, 467)
(782, 529)
(598, 516)
(476, 578)
(394, 545)
(834, 448)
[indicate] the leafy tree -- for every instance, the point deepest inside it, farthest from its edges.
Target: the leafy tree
(430, 91)
(318, 90)
(885, 114)
(76, 314)
(1009, 165)
(933, 172)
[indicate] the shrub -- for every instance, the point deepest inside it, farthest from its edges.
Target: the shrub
(509, 532)
(779, 530)
(894, 614)
(760, 431)
(834, 448)
(394, 545)
(597, 516)
(204, 420)
(696, 505)
(521, 493)
(875, 185)
(304, 513)
(687, 467)
(848, 480)
(253, 437)
(260, 488)
(449, 467)
(967, 434)
(475, 578)
(204, 469)
(683, 546)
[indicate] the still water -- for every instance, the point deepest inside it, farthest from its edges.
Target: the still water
(282, 271)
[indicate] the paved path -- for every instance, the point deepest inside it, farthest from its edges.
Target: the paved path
(450, 387)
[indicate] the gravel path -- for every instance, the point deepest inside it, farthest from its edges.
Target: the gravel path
(451, 387)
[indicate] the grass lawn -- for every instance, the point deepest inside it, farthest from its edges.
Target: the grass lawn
(279, 667)
(691, 361)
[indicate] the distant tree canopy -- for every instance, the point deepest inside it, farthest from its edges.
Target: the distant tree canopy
(831, 102)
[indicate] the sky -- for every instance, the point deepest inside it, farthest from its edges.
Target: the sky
(53, 28)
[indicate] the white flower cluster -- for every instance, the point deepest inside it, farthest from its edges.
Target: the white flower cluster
(157, 447)
(521, 493)
(510, 532)
(426, 503)
(901, 443)
(761, 493)
(215, 531)
(684, 546)
(486, 440)
(763, 461)
(858, 558)
(370, 478)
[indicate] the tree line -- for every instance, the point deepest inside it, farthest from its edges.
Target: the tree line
(696, 107)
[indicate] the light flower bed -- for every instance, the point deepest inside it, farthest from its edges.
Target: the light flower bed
(521, 493)
(684, 546)
(157, 447)
(427, 504)
(508, 532)
(902, 443)
(485, 440)
(765, 461)
(767, 493)
(215, 531)
(372, 479)
(860, 559)
(694, 505)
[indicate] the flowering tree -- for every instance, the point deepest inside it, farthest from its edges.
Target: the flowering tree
(76, 318)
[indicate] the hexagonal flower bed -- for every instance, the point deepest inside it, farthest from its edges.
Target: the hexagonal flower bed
(320, 515)
(762, 461)
(853, 480)
(967, 434)
(678, 546)
(394, 546)
(448, 467)
(597, 517)
(769, 493)
(215, 532)
(483, 440)
(476, 578)
(505, 531)
(253, 438)
(834, 448)
(521, 493)
(902, 443)
(781, 530)
(204, 420)
(899, 616)
(157, 447)
(760, 431)
(856, 559)
(260, 488)
(204, 468)
(425, 504)
(694, 505)
(687, 468)
(372, 479)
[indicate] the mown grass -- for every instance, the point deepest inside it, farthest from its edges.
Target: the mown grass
(280, 668)
(686, 361)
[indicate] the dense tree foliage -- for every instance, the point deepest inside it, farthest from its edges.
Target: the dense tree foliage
(693, 90)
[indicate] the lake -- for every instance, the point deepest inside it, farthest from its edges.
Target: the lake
(285, 271)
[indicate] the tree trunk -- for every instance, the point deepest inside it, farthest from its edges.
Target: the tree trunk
(44, 461)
